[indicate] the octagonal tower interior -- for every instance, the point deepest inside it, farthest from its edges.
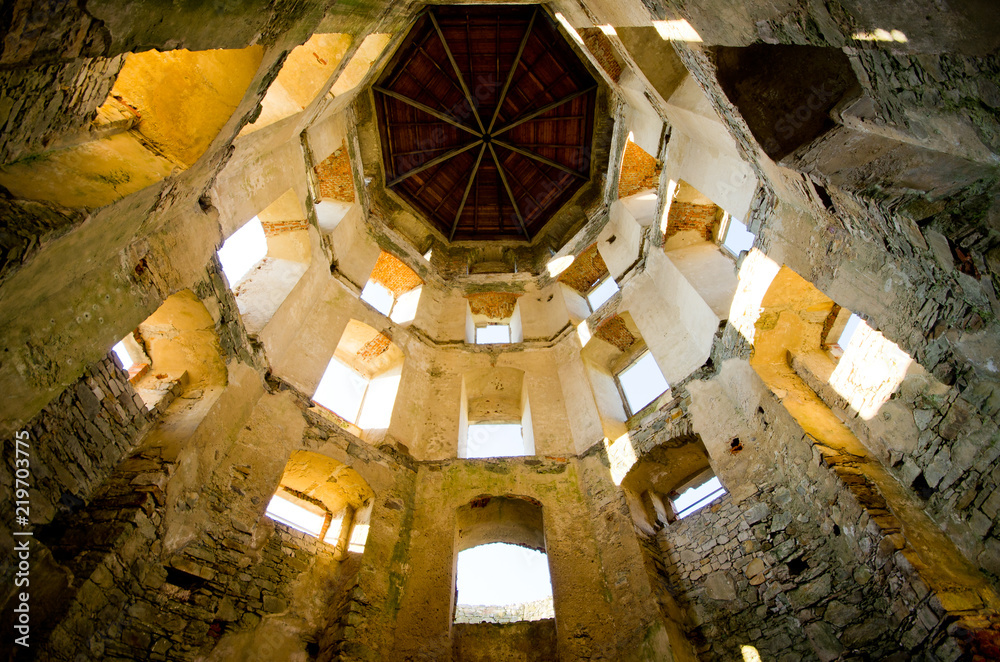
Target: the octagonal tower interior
(682, 315)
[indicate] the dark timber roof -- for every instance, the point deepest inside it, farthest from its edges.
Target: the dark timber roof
(486, 120)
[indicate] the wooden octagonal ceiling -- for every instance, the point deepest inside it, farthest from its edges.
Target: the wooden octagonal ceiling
(486, 119)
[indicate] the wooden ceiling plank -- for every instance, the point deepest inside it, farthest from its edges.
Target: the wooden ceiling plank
(465, 196)
(513, 67)
(458, 72)
(510, 194)
(427, 109)
(434, 162)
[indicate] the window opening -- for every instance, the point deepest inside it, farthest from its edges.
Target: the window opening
(244, 248)
(738, 238)
(123, 355)
(493, 334)
(342, 390)
(502, 575)
(642, 382)
(853, 322)
(698, 496)
(495, 440)
(295, 516)
(604, 290)
(378, 297)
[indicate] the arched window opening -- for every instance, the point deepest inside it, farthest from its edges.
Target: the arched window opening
(503, 583)
(325, 499)
(588, 283)
(360, 383)
(164, 111)
(265, 258)
(502, 573)
(174, 350)
(493, 318)
(393, 289)
(495, 416)
(671, 481)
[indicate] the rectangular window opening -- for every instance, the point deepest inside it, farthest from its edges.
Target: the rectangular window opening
(642, 382)
(244, 248)
(604, 290)
(738, 238)
(495, 440)
(378, 297)
(295, 516)
(698, 496)
(342, 390)
(493, 334)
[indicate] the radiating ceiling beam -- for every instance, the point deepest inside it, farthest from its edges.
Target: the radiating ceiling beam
(513, 68)
(510, 193)
(465, 196)
(458, 72)
(546, 108)
(435, 161)
(540, 159)
(427, 109)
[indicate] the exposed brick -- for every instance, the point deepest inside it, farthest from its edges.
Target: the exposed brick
(374, 348)
(335, 179)
(494, 305)
(639, 171)
(687, 216)
(587, 270)
(603, 51)
(278, 227)
(392, 274)
(614, 330)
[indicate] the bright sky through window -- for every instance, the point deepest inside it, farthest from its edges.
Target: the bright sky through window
(738, 238)
(378, 297)
(502, 574)
(495, 440)
(602, 293)
(123, 354)
(642, 382)
(244, 248)
(295, 516)
(492, 333)
(853, 322)
(341, 390)
(696, 497)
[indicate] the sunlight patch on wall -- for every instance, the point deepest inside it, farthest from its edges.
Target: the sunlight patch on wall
(870, 371)
(676, 30)
(756, 274)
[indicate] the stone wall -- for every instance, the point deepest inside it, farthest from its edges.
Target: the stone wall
(774, 571)
(38, 109)
(525, 611)
(78, 439)
(533, 641)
